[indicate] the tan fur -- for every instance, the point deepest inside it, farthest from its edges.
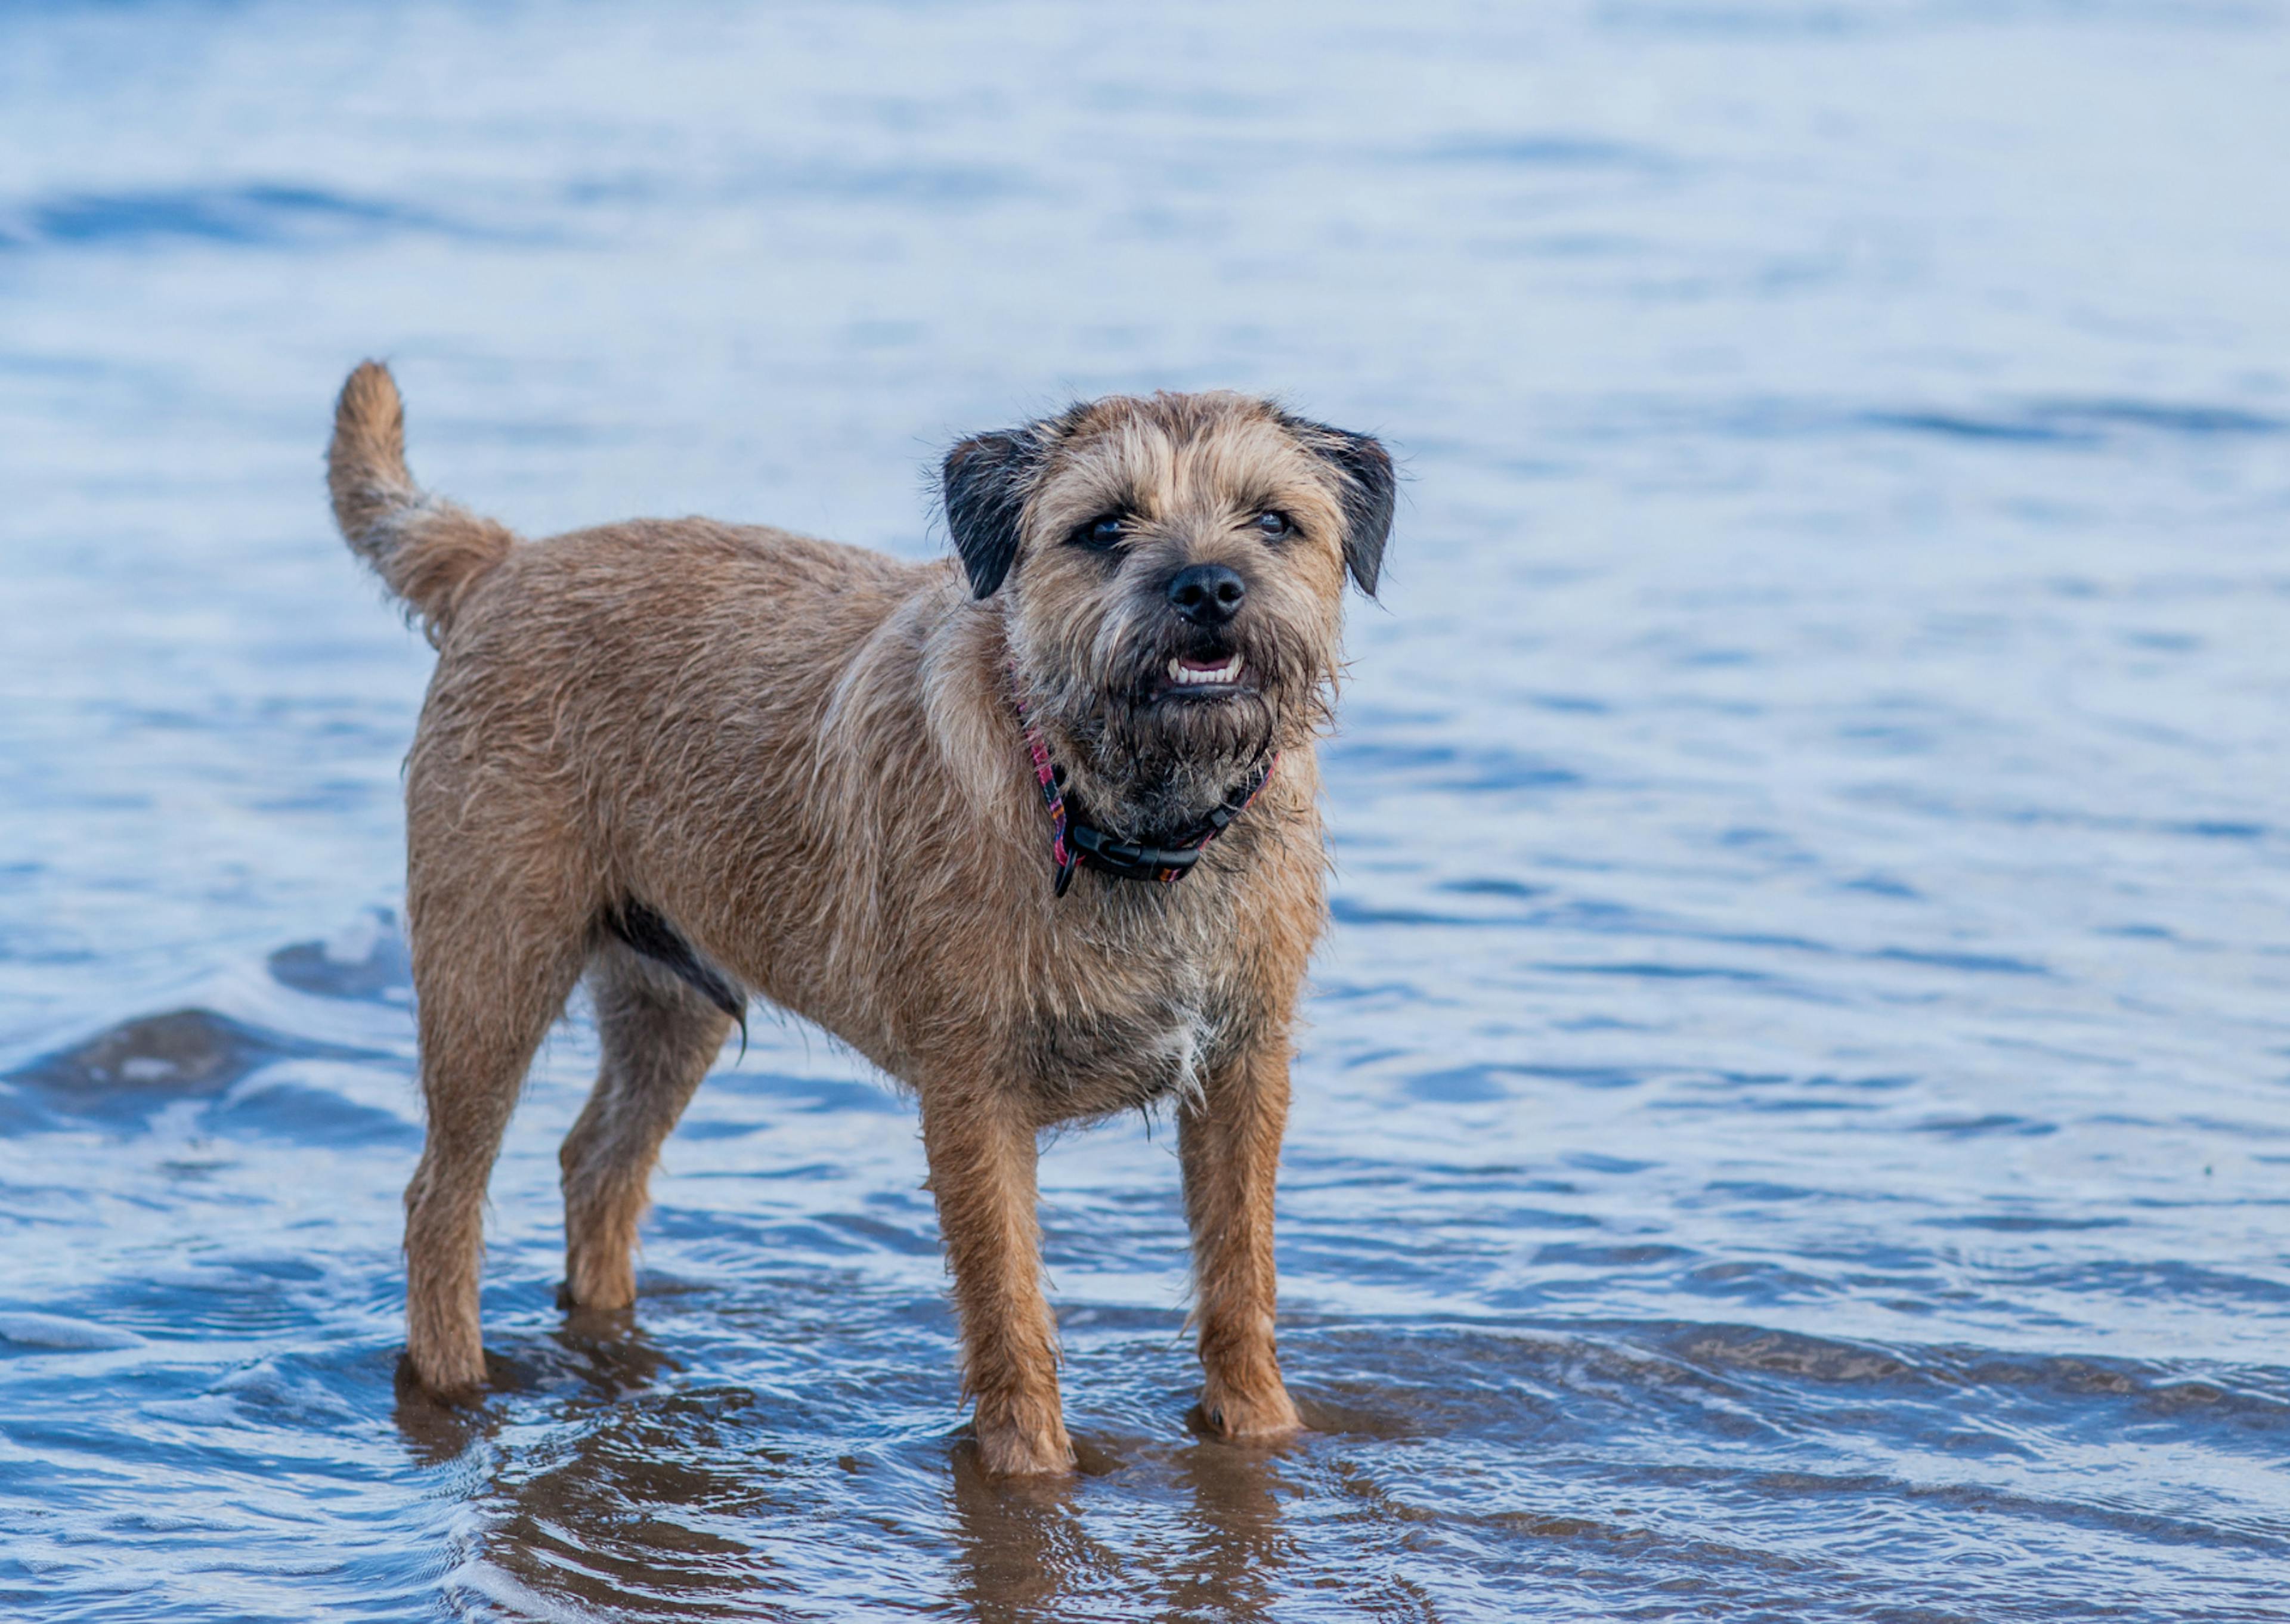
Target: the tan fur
(805, 757)
(429, 552)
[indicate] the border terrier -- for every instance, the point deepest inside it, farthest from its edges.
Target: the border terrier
(1034, 829)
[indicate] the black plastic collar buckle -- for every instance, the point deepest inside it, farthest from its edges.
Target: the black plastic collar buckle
(1128, 861)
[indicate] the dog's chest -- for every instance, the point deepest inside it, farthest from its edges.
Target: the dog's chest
(1147, 1025)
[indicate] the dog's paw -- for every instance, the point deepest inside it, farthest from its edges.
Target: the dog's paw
(1258, 1416)
(447, 1366)
(1011, 1454)
(1022, 1442)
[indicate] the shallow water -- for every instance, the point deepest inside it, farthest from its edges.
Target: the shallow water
(1796, 1121)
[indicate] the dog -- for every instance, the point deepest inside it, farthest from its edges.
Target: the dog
(1035, 829)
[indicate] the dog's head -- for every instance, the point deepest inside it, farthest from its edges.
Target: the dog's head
(1172, 575)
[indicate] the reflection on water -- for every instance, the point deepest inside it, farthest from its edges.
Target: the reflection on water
(1794, 1119)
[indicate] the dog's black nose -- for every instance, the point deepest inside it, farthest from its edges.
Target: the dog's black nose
(1207, 594)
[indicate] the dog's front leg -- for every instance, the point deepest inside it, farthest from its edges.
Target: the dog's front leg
(1229, 1144)
(981, 1161)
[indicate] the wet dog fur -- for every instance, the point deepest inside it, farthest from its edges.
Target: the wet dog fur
(697, 762)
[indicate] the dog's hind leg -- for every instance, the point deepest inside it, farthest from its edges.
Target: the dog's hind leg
(490, 974)
(659, 1036)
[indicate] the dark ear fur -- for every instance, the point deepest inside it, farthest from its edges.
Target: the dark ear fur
(986, 481)
(1369, 490)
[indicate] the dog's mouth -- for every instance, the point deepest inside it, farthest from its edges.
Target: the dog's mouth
(1220, 676)
(1194, 718)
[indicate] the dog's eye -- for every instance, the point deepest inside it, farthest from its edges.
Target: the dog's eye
(1274, 525)
(1101, 532)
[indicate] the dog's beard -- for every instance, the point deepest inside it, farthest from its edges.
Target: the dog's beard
(1174, 760)
(1148, 763)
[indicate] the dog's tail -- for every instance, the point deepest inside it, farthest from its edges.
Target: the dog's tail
(428, 551)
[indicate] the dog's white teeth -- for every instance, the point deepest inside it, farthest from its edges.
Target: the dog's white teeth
(1194, 676)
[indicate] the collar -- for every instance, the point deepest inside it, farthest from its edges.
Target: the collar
(1074, 843)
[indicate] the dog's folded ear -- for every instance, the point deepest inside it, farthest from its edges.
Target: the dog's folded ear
(986, 481)
(1368, 489)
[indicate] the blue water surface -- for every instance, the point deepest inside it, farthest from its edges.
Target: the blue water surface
(1795, 1122)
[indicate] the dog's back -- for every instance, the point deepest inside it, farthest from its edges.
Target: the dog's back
(623, 718)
